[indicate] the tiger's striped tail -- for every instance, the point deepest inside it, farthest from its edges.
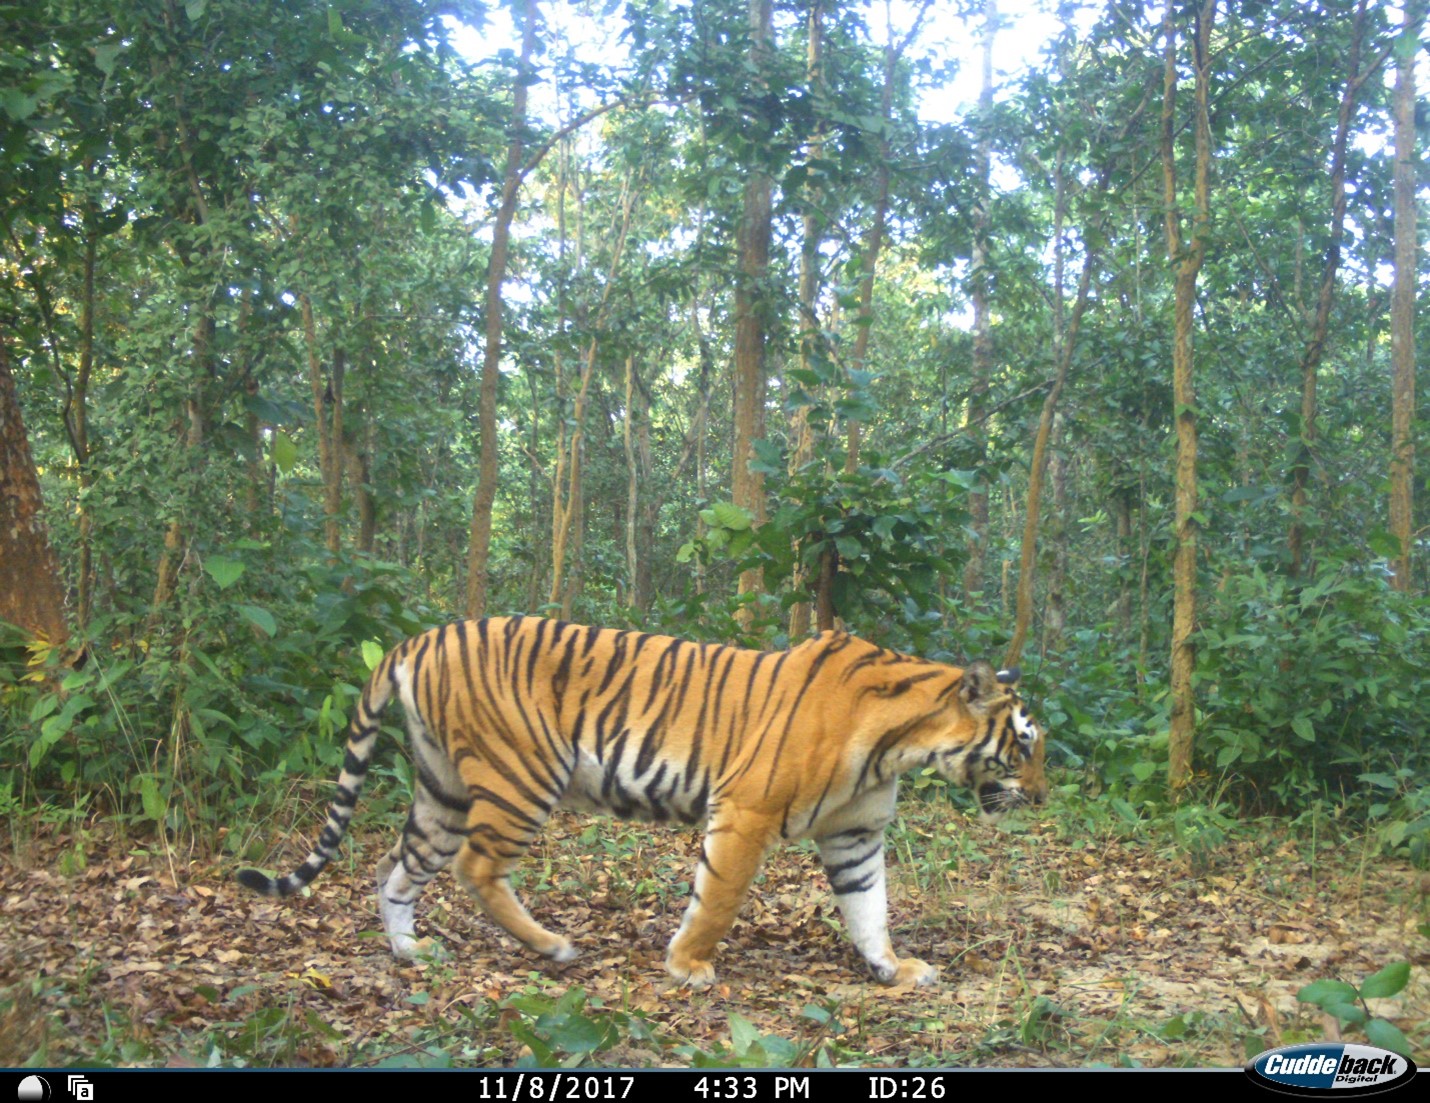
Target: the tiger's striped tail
(362, 735)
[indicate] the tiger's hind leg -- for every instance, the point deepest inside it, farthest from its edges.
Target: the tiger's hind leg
(499, 831)
(730, 856)
(430, 840)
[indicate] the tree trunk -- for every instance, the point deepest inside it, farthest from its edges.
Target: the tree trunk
(643, 584)
(748, 487)
(193, 422)
(1122, 518)
(31, 594)
(567, 512)
(1055, 615)
(1402, 303)
(633, 481)
(1064, 345)
(981, 368)
(359, 464)
(824, 591)
(1188, 262)
(77, 413)
(874, 239)
(479, 548)
(327, 419)
(810, 240)
(1314, 350)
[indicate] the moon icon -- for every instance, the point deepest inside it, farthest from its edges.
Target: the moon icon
(33, 1087)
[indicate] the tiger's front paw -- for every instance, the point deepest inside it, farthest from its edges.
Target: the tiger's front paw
(913, 973)
(694, 974)
(559, 950)
(406, 947)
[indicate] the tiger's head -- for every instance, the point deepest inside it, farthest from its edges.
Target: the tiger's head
(1002, 762)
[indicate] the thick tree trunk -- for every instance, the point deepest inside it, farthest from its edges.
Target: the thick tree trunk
(1188, 262)
(479, 546)
(31, 594)
(1402, 303)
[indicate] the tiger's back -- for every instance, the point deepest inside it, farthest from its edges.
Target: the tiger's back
(510, 717)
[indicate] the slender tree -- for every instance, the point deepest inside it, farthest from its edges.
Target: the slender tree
(1186, 256)
(1319, 321)
(747, 486)
(479, 546)
(981, 367)
(1402, 304)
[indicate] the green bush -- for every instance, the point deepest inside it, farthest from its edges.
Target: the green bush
(1318, 688)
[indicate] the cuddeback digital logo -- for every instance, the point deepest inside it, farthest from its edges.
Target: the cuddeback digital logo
(1330, 1066)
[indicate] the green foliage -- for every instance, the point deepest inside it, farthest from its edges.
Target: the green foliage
(167, 732)
(750, 1048)
(1319, 687)
(569, 1030)
(1347, 1004)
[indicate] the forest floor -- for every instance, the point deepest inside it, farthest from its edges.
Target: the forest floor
(1059, 944)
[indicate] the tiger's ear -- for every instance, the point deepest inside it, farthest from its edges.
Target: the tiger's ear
(978, 683)
(1011, 676)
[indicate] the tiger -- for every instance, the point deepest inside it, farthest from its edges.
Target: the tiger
(509, 717)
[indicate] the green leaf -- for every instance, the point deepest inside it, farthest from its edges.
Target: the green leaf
(729, 516)
(1322, 992)
(106, 54)
(539, 1049)
(1174, 1029)
(1387, 1036)
(371, 653)
(1351, 1014)
(153, 801)
(284, 452)
(743, 1033)
(578, 1034)
(195, 9)
(19, 107)
(1384, 544)
(1303, 728)
(260, 618)
(223, 571)
(1387, 982)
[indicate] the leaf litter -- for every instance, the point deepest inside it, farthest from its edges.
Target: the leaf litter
(1052, 951)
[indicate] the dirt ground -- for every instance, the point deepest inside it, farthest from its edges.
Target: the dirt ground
(1053, 950)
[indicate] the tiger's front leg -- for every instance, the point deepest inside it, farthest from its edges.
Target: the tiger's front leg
(730, 856)
(854, 861)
